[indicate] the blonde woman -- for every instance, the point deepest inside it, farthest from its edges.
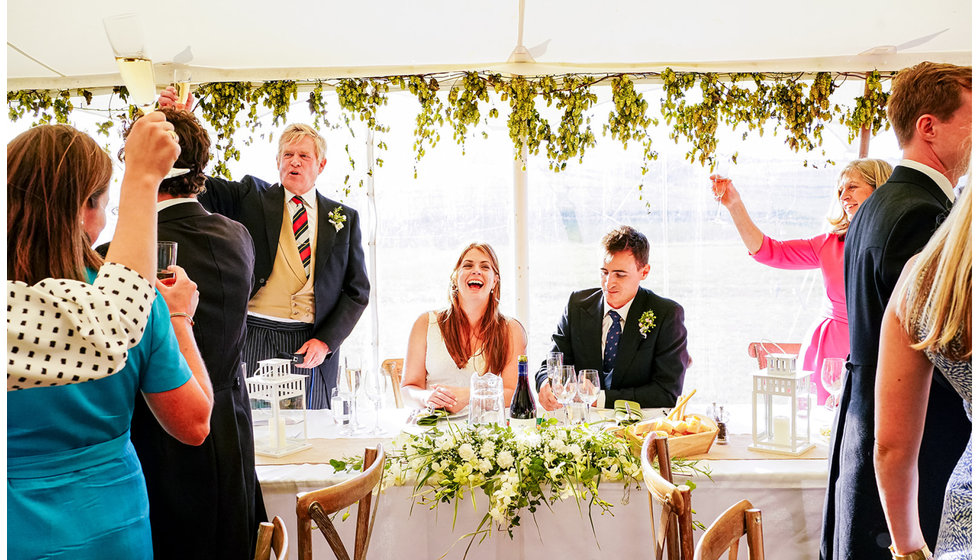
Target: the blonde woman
(471, 335)
(829, 338)
(927, 325)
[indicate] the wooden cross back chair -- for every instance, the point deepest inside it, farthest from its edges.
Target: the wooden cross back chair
(674, 532)
(318, 505)
(759, 350)
(726, 532)
(272, 539)
(392, 367)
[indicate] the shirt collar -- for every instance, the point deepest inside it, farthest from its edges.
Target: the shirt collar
(164, 204)
(308, 198)
(623, 311)
(933, 174)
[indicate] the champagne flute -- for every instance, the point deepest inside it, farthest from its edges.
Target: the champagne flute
(588, 388)
(373, 388)
(125, 35)
(832, 378)
(722, 170)
(166, 257)
(182, 83)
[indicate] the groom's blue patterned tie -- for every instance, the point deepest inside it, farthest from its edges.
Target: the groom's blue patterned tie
(612, 344)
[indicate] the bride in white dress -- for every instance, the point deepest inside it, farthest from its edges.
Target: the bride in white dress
(446, 347)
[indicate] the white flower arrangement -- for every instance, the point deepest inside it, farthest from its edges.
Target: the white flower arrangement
(647, 321)
(517, 471)
(337, 218)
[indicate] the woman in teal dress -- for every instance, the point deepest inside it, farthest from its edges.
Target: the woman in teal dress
(74, 485)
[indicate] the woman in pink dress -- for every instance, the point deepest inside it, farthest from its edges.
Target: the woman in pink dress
(825, 251)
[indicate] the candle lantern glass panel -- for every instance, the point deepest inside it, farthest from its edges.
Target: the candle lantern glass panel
(278, 400)
(780, 419)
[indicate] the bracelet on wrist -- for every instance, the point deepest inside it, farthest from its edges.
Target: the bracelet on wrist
(922, 554)
(187, 316)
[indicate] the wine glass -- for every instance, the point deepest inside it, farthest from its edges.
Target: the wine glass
(563, 385)
(588, 388)
(353, 380)
(832, 378)
(373, 388)
(125, 34)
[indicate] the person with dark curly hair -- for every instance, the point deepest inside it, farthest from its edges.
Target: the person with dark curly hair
(218, 491)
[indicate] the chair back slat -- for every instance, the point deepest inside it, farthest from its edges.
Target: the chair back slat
(323, 522)
(320, 504)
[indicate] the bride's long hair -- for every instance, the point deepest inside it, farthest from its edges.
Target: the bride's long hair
(493, 334)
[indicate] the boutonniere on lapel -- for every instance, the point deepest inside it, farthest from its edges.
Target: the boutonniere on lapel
(647, 321)
(337, 218)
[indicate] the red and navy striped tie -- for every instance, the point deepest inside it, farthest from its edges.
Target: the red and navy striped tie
(301, 230)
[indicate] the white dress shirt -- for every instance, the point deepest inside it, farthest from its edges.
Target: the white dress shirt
(933, 174)
(623, 311)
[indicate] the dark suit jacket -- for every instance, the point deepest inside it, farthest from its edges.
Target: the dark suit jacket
(340, 282)
(212, 487)
(893, 224)
(648, 370)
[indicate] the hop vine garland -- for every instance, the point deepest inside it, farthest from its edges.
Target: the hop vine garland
(548, 113)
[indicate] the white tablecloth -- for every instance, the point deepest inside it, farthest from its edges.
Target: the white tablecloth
(790, 493)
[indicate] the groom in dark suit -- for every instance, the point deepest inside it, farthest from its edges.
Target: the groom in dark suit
(633, 337)
(311, 285)
(212, 487)
(930, 109)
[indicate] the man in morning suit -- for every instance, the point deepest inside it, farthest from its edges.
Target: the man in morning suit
(930, 110)
(633, 337)
(213, 487)
(311, 285)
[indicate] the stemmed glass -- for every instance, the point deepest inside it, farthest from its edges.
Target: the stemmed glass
(352, 383)
(564, 386)
(722, 171)
(126, 37)
(553, 367)
(373, 388)
(832, 378)
(588, 388)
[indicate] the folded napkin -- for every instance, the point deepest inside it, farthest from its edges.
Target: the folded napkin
(430, 417)
(627, 412)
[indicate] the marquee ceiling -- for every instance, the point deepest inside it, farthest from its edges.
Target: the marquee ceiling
(61, 44)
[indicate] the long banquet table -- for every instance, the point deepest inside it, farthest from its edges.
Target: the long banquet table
(789, 491)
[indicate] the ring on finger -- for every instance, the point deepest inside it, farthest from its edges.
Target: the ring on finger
(173, 135)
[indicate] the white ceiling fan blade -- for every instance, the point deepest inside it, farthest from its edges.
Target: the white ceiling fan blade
(539, 49)
(920, 40)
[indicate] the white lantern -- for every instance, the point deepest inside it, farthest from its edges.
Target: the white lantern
(278, 399)
(781, 364)
(781, 412)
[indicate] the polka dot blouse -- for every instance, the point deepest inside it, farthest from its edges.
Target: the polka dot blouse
(65, 331)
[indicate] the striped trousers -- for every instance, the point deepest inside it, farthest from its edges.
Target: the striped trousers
(265, 339)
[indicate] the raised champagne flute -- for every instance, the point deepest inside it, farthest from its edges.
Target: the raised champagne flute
(125, 34)
(722, 173)
(166, 257)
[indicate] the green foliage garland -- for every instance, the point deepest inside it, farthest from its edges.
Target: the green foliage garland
(548, 110)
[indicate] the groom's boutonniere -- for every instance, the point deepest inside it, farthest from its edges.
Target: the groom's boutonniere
(337, 218)
(647, 321)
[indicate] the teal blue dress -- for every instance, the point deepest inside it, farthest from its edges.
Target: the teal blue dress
(74, 484)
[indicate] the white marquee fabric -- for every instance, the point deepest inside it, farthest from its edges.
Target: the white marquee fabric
(61, 44)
